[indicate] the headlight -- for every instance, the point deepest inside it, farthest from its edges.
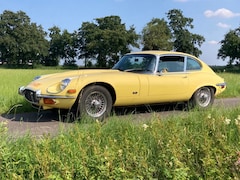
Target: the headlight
(64, 83)
(37, 77)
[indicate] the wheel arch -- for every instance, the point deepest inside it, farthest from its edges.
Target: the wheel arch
(209, 86)
(106, 85)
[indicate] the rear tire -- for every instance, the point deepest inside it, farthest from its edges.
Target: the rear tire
(94, 101)
(203, 98)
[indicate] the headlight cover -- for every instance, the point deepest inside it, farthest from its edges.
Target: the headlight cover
(58, 87)
(64, 83)
(37, 77)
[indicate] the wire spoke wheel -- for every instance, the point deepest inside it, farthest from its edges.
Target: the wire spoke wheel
(202, 98)
(95, 102)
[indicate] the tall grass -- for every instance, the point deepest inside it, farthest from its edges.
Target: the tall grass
(233, 84)
(10, 81)
(201, 145)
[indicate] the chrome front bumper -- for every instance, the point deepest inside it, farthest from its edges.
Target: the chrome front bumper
(30, 95)
(34, 96)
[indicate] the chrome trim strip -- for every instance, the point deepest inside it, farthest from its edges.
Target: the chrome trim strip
(221, 84)
(39, 95)
(54, 97)
(21, 90)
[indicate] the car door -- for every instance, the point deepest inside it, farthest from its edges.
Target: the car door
(171, 80)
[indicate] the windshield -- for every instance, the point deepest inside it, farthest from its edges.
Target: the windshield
(137, 62)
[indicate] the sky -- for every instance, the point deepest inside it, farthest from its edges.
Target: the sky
(212, 19)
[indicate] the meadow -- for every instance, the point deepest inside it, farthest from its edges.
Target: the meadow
(12, 79)
(196, 145)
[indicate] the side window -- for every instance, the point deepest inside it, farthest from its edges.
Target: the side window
(171, 64)
(192, 64)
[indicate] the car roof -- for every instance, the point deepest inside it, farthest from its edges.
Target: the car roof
(156, 52)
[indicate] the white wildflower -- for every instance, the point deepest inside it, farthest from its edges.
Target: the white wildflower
(238, 118)
(209, 116)
(227, 121)
(120, 151)
(145, 126)
(223, 136)
(237, 122)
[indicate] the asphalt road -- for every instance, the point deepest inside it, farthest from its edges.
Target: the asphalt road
(46, 122)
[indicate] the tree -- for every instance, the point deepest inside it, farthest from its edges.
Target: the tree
(183, 40)
(55, 47)
(156, 35)
(105, 40)
(85, 41)
(69, 47)
(230, 46)
(21, 40)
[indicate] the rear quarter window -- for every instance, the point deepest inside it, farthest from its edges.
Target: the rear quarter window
(193, 64)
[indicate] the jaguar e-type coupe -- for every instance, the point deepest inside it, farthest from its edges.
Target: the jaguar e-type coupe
(138, 78)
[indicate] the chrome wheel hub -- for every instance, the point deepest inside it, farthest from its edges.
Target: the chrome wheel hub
(96, 104)
(204, 97)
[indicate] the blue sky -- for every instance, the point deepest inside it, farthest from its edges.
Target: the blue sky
(211, 18)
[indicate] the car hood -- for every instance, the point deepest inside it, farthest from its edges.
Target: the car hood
(50, 79)
(74, 74)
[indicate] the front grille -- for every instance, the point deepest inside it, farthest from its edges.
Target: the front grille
(31, 96)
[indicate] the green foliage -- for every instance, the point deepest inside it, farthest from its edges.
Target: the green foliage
(62, 46)
(230, 46)
(156, 35)
(201, 145)
(101, 43)
(106, 40)
(183, 39)
(21, 40)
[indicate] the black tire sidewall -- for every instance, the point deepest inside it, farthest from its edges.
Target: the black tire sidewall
(194, 100)
(88, 90)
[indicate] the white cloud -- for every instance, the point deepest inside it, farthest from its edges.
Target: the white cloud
(223, 25)
(223, 13)
(213, 42)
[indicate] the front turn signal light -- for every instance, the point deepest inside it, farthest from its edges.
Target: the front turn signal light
(49, 101)
(71, 91)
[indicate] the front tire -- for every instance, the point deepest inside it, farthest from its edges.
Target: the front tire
(95, 101)
(202, 98)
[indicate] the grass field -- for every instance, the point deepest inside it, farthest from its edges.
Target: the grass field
(233, 84)
(11, 80)
(199, 145)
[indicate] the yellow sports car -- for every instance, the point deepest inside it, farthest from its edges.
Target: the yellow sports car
(139, 78)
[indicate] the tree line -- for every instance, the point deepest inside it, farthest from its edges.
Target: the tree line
(102, 42)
